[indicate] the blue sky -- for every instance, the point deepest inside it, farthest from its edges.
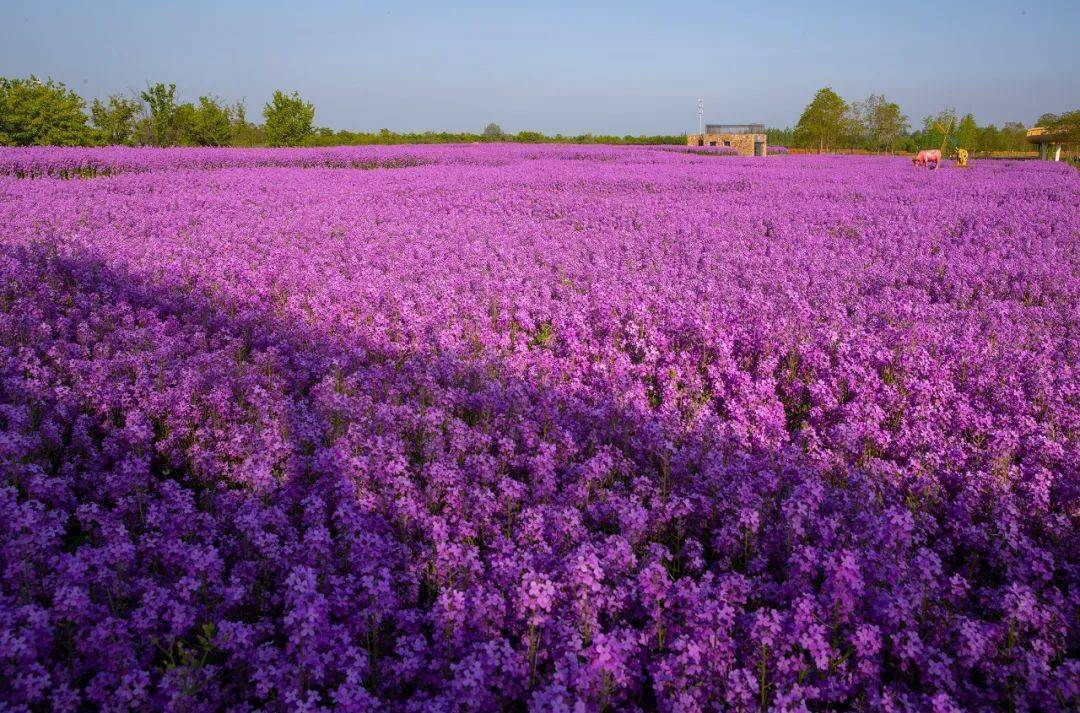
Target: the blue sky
(571, 67)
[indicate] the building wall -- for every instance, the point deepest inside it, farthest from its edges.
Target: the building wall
(743, 143)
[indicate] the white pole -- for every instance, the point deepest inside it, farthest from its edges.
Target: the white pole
(700, 117)
(1057, 153)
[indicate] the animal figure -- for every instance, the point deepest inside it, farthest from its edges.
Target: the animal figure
(926, 158)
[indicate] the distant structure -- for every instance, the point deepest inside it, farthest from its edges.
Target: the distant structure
(747, 139)
(1049, 143)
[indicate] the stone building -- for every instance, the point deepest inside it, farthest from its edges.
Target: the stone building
(747, 139)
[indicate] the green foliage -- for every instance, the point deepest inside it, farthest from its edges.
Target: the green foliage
(780, 137)
(116, 120)
(989, 136)
(879, 123)
(967, 133)
(36, 113)
(162, 126)
(47, 113)
(939, 127)
(1014, 133)
(1065, 127)
(529, 137)
(823, 121)
(288, 119)
(328, 137)
(208, 124)
(188, 660)
(542, 336)
(241, 131)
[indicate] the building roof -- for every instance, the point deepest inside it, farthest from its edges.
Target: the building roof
(734, 128)
(1042, 135)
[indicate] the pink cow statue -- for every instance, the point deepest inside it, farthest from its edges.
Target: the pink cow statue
(928, 158)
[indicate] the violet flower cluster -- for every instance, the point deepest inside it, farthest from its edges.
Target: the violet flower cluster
(557, 428)
(701, 150)
(66, 162)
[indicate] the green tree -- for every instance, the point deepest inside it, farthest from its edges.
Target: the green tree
(823, 120)
(183, 121)
(207, 124)
(989, 137)
(854, 132)
(162, 126)
(493, 132)
(288, 119)
(36, 113)
(241, 131)
(861, 113)
(779, 137)
(882, 123)
(1014, 137)
(890, 125)
(1065, 127)
(115, 120)
(967, 132)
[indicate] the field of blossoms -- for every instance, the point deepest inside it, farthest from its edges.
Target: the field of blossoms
(532, 427)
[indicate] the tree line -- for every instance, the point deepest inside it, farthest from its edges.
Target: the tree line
(37, 113)
(876, 124)
(492, 132)
(41, 113)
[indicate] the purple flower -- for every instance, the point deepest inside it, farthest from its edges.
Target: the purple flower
(568, 427)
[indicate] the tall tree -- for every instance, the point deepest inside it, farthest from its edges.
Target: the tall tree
(860, 117)
(967, 132)
(890, 124)
(207, 124)
(1014, 136)
(989, 137)
(161, 127)
(36, 113)
(854, 131)
(115, 119)
(288, 119)
(822, 121)
(882, 122)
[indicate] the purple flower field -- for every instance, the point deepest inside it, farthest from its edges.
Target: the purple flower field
(529, 427)
(61, 162)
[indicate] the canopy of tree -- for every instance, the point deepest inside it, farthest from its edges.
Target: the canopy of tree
(1064, 127)
(877, 124)
(822, 121)
(288, 119)
(36, 113)
(115, 119)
